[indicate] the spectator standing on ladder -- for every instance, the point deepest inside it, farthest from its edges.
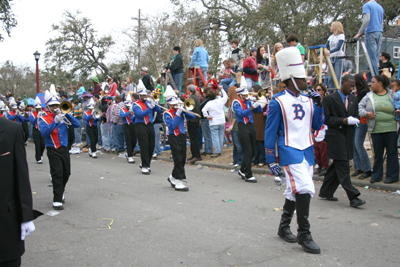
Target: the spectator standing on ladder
(200, 58)
(372, 21)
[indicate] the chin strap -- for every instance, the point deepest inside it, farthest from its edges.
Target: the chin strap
(295, 84)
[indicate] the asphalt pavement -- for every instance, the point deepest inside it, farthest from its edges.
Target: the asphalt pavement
(220, 221)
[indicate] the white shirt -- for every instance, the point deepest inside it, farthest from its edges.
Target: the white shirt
(333, 42)
(320, 135)
(215, 110)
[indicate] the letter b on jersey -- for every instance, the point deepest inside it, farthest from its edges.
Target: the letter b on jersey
(298, 112)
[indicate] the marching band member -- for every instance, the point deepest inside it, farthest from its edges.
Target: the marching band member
(3, 110)
(143, 110)
(55, 131)
(38, 139)
(243, 108)
(129, 127)
(177, 140)
(24, 121)
(14, 114)
(291, 116)
(91, 127)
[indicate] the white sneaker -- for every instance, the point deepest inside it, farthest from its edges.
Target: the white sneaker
(113, 150)
(131, 160)
(172, 180)
(58, 206)
(94, 155)
(231, 164)
(251, 180)
(39, 161)
(140, 166)
(90, 152)
(145, 171)
(236, 165)
(277, 179)
(179, 186)
(70, 152)
(154, 155)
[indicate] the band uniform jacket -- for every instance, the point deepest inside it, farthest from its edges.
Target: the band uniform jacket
(15, 190)
(339, 137)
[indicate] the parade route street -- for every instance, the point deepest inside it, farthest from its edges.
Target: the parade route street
(221, 221)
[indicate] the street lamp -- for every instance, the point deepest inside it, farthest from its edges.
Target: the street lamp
(37, 56)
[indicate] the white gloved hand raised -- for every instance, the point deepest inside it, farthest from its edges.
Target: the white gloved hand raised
(256, 105)
(353, 121)
(252, 98)
(57, 119)
(152, 105)
(26, 229)
(179, 112)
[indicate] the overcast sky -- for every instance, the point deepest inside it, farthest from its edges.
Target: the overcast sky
(35, 18)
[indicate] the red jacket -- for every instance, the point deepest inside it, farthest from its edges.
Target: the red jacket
(214, 84)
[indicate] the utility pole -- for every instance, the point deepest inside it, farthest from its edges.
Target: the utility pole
(139, 31)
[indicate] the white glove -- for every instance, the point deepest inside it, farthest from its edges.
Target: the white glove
(152, 105)
(353, 121)
(57, 119)
(57, 110)
(178, 112)
(26, 229)
(256, 105)
(252, 98)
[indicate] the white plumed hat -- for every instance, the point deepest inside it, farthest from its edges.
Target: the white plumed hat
(290, 63)
(242, 90)
(51, 97)
(141, 90)
(38, 103)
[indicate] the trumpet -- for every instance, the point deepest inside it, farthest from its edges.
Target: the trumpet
(260, 94)
(65, 108)
(97, 114)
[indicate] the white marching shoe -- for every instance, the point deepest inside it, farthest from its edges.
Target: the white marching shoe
(145, 171)
(94, 155)
(179, 186)
(171, 180)
(40, 161)
(130, 160)
(90, 152)
(148, 168)
(58, 206)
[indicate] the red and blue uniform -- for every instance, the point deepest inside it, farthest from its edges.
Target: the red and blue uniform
(88, 117)
(126, 117)
(33, 118)
(143, 113)
(56, 135)
(243, 112)
(14, 117)
(176, 124)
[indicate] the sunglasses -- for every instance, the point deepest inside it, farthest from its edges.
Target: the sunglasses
(319, 90)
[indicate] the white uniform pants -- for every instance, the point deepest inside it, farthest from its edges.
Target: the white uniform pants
(299, 180)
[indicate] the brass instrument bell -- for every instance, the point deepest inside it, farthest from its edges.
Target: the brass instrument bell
(189, 104)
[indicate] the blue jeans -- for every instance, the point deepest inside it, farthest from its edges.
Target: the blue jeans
(78, 133)
(360, 157)
(100, 142)
(217, 134)
(105, 135)
(373, 42)
(226, 83)
(157, 139)
(237, 148)
(205, 130)
(178, 81)
(204, 71)
(111, 136)
(337, 66)
(119, 136)
(250, 83)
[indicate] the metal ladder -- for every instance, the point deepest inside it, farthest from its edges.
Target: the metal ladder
(318, 61)
(352, 50)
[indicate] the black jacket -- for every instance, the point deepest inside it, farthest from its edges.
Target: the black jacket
(176, 64)
(148, 82)
(15, 190)
(339, 137)
(196, 107)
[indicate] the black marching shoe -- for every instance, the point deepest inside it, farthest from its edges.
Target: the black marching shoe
(303, 232)
(365, 175)
(284, 226)
(356, 202)
(356, 173)
(308, 244)
(323, 172)
(328, 198)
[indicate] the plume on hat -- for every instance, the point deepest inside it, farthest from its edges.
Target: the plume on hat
(169, 92)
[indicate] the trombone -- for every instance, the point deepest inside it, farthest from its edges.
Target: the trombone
(97, 113)
(260, 94)
(189, 105)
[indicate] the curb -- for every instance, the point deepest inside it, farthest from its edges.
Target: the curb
(355, 182)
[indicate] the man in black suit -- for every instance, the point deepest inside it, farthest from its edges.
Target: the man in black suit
(16, 212)
(192, 126)
(341, 112)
